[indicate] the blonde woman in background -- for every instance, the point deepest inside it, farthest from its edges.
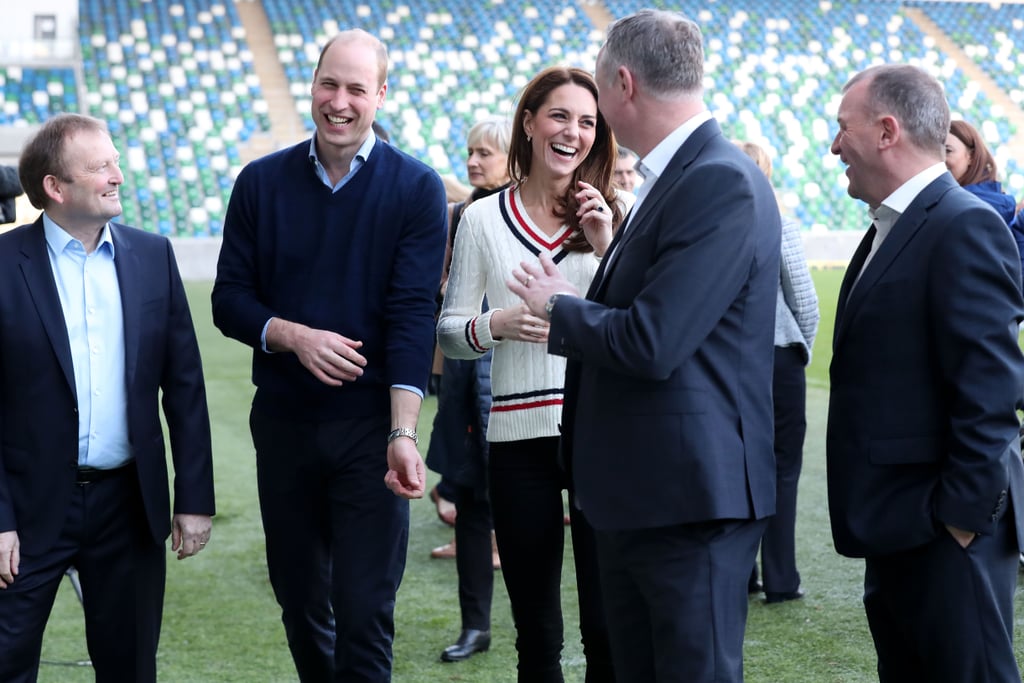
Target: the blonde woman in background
(796, 324)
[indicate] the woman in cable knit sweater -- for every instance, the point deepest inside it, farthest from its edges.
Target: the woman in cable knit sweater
(561, 203)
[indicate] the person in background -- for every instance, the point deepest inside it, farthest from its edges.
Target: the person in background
(458, 442)
(796, 324)
(972, 165)
(624, 174)
(329, 267)
(10, 189)
(562, 204)
(95, 335)
(925, 479)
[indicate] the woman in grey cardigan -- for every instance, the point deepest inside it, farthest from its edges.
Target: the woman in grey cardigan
(796, 323)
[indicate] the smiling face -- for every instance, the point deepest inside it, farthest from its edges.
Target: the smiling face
(958, 156)
(89, 196)
(486, 166)
(563, 130)
(856, 143)
(347, 92)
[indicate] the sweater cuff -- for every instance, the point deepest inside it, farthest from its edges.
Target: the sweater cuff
(478, 332)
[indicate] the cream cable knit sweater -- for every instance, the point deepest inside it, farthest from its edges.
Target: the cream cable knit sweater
(493, 237)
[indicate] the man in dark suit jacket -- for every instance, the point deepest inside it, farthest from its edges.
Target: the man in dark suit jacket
(924, 470)
(94, 326)
(668, 419)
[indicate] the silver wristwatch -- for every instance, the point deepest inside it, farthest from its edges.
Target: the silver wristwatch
(404, 431)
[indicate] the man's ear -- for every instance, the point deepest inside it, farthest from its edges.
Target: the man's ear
(890, 131)
(53, 188)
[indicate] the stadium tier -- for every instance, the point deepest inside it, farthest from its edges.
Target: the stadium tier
(175, 82)
(31, 95)
(774, 73)
(175, 79)
(452, 62)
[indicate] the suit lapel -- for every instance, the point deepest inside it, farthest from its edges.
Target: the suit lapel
(683, 157)
(904, 230)
(129, 280)
(38, 274)
(856, 264)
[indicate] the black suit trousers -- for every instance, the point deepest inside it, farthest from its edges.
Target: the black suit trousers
(676, 599)
(789, 395)
(122, 571)
(473, 561)
(336, 542)
(944, 614)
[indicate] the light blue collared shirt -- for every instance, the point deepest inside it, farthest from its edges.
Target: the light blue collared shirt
(357, 162)
(91, 301)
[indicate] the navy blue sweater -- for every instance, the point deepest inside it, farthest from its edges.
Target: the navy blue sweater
(363, 262)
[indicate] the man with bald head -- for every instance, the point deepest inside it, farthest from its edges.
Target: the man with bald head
(924, 470)
(668, 417)
(331, 257)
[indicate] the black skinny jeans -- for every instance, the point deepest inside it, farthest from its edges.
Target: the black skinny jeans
(526, 502)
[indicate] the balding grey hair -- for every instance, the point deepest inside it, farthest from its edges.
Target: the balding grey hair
(663, 50)
(914, 97)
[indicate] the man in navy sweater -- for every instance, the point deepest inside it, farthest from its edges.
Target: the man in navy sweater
(331, 257)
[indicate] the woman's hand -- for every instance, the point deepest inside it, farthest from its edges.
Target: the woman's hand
(518, 324)
(595, 217)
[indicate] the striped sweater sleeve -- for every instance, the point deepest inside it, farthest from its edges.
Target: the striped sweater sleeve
(462, 330)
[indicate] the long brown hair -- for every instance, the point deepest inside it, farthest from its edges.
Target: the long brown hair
(596, 169)
(982, 167)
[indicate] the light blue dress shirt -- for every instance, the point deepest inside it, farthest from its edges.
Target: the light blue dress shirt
(357, 162)
(91, 301)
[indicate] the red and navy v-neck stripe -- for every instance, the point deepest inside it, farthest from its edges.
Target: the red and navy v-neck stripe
(526, 233)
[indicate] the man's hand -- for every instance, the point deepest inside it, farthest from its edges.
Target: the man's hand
(190, 534)
(10, 557)
(962, 537)
(406, 476)
(534, 283)
(332, 358)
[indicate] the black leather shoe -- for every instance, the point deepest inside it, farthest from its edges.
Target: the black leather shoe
(773, 598)
(469, 643)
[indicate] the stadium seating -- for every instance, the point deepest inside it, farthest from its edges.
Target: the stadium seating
(31, 95)
(175, 80)
(774, 75)
(452, 62)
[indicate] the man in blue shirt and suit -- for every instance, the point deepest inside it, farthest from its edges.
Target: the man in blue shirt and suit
(668, 418)
(94, 328)
(925, 478)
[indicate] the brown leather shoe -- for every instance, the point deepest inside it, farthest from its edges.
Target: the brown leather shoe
(444, 552)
